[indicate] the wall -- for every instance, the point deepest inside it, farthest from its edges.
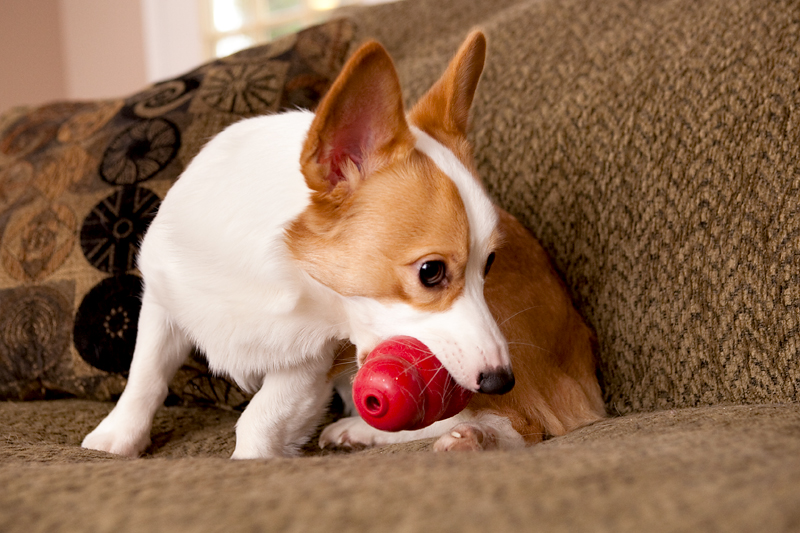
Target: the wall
(173, 37)
(31, 65)
(84, 49)
(102, 46)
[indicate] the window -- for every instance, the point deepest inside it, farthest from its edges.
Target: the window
(232, 25)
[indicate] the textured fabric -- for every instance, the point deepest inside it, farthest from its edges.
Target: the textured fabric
(79, 184)
(710, 469)
(653, 148)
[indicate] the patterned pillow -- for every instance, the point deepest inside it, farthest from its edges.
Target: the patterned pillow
(79, 184)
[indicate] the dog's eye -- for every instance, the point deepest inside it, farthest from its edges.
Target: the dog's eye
(432, 273)
(489, 262)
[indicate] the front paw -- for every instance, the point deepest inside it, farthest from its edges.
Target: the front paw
(350, 432)
(113, 438)
(466, 437)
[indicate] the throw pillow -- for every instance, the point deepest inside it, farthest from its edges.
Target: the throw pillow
(79, 184)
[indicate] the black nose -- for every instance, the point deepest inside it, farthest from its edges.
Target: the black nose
(498, 381)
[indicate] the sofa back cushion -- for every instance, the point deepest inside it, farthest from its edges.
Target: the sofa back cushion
(653, 148)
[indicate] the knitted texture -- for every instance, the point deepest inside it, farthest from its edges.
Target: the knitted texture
(705, 469)
(653, 148)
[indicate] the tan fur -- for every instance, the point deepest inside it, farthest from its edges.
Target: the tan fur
(390, 207)
(551, 347)
(444, 111)
(407, 212)
(367, 91)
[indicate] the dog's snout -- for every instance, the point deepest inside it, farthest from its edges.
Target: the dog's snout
(498, 381)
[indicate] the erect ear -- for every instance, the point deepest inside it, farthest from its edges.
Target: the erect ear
(446, 105)
(359, 125)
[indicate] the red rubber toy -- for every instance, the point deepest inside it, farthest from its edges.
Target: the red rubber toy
(402, 386)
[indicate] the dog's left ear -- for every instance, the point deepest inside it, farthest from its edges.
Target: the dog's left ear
(359, 125)
(447, 104)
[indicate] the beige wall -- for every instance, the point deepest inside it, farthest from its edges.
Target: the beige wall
(103, 47)
(31, 64)
(82, 49)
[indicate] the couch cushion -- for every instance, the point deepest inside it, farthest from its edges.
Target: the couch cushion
(733, 468)
(79, 184)
(653, 148)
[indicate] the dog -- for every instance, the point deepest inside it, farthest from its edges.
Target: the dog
(552, 354)
(292, 233)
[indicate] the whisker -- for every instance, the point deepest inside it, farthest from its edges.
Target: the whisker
(345, 363)
(519, 313)
(431, 381)
(531, 345)
(408, 345)
(345, 346)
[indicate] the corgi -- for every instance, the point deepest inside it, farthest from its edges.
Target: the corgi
(292, 233)
(551, 351)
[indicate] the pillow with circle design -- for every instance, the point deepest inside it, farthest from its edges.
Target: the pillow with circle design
(79, 184)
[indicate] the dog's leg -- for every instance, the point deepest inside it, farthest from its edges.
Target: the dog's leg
(465, 431)
(354, 431)
(284, 412)
(484, 431)
(160, 350)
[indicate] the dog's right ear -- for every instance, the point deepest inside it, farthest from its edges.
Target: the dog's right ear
(359, 125)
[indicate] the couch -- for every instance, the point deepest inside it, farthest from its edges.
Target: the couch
(651, 146)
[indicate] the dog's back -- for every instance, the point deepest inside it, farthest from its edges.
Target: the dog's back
(551, 347)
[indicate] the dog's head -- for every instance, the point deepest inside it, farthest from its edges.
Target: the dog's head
(398, 222)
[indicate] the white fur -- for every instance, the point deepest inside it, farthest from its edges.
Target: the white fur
(218, 275)
(216, 259)
(481, 214)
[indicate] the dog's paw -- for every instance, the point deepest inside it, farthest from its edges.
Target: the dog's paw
(466, 437)
(351, 432)
(117, 440)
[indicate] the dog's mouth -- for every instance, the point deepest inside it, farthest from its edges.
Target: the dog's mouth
(416, 354)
